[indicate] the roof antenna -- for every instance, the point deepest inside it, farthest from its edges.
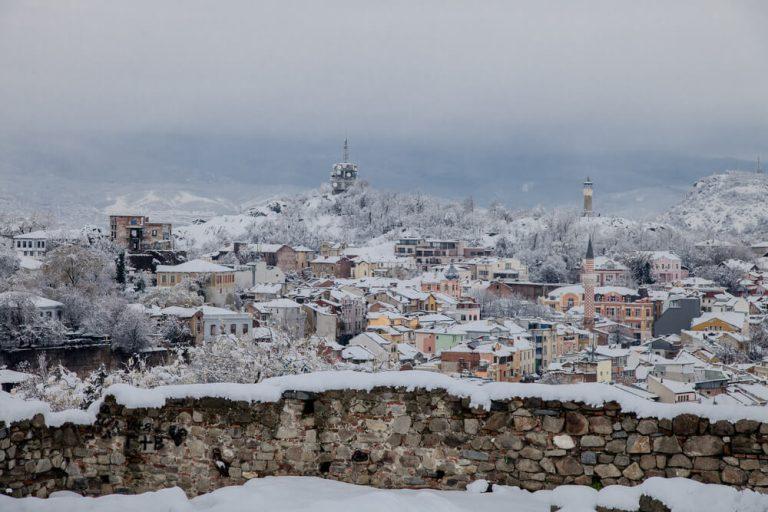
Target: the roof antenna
(345, 156)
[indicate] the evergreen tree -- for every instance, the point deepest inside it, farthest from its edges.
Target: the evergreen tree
(120, 268)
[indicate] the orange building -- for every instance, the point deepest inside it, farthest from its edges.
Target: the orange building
(622, 305)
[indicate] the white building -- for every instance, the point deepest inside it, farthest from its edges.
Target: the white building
(46, 308)
(217, 321)
(284, 313)
(36, 243)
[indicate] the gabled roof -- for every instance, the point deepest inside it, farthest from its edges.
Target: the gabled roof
(606, 263)
(357, 353)
(179, 312)
(278, 303)
(729, 317)
(35, 300)
(195, 267)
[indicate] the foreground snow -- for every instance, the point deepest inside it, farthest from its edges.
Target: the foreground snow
(13, 409)
(284, 494)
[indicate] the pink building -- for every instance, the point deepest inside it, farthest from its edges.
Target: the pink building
(666, 267)
(610, 272)
(425, 340)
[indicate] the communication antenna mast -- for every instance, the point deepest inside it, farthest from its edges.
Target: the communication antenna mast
(345, 156)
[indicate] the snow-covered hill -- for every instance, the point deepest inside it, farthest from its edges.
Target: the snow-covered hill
(181, 206)
(733, 203)
(366, 216)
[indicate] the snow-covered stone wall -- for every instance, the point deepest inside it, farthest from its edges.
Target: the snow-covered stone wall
(387, 430)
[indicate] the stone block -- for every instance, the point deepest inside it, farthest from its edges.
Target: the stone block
(600, 425)
(685, 425)
(568, 466)
(591, 441)
(576, 424)
(647, 426)
(637, 444)
(633, 472)
(607, 471)
(552, 424)
(706, 445)
(564, 441)
(666, 444)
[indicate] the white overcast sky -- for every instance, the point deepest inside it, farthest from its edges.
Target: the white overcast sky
(596, 74)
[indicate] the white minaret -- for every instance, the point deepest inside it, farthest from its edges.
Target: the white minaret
(587, 191)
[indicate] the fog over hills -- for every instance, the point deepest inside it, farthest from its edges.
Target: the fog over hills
(180, 178)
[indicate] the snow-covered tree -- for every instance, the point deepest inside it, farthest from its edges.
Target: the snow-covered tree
(212, 362)
(724, 276)
(85, 269)
(184, 294)
(9, 263)
(175, 331)
(57, 386)
(639, 265)
(22, 326)
(493, 306)
(132, 331)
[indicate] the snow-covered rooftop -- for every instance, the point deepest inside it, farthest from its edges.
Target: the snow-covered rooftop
(35, 300)
(194, 267)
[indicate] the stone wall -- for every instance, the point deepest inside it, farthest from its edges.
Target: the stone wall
(80, 358)
(387, 437)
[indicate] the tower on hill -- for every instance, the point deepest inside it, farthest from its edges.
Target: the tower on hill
(587, 192)
(344, 173)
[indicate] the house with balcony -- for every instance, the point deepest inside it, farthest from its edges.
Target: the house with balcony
(135, 233)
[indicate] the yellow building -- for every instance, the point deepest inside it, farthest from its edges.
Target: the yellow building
(217, 281)
(388, 319)
(729, 321)
(523, 359)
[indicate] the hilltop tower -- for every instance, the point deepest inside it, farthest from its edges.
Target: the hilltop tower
(587, 192)
(344, 173)
(588, 280)
(759, 169)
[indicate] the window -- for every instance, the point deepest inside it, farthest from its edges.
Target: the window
(233, 329)
(154, 232)
(213, 330)
(245, 328)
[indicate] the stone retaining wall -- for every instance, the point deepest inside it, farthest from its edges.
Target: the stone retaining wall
(388, 438)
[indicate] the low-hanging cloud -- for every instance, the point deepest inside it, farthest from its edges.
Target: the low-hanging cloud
(537, 76)
(627, 73)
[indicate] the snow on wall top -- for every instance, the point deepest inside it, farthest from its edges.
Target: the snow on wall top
(13, 409)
